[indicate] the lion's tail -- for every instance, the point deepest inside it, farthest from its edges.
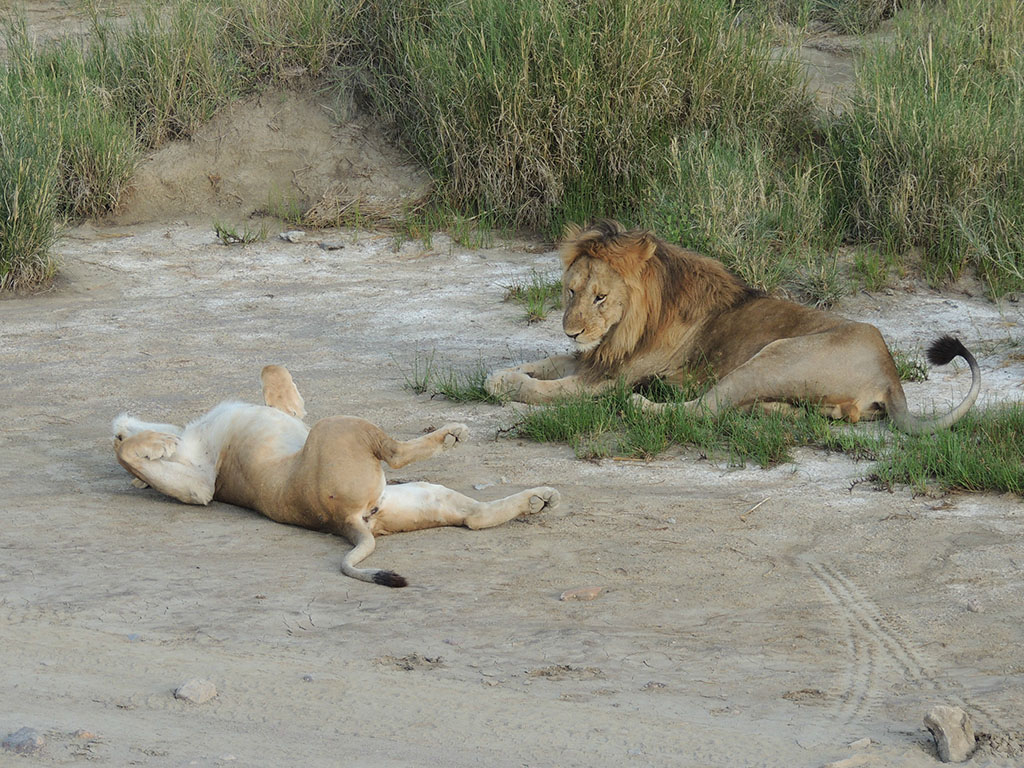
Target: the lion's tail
(363, 545)
(941, 352)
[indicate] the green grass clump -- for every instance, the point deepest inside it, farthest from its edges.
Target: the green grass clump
(611, 425)
(984, 451)
(909, 365)
(462, 386)
(75, 117)
(289, 38)
(930, 149)
(538, 295)
(541, 112)
(29, 182)
(167, 70)
(233, 235)
(845, 16)
(765, 212)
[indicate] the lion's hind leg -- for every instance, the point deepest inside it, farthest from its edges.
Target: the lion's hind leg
(414, 506)
(154, 459)
(398, 453)
(279, 391)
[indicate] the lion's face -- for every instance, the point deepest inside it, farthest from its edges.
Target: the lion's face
(595, 298)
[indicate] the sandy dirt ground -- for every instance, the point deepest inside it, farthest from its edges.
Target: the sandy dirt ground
(746, 617)
(722, 636)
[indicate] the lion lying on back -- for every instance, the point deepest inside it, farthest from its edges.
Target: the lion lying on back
(327, 477)
(640, 308)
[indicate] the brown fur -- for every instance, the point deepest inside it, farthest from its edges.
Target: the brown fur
(327, 478)
(641, 308)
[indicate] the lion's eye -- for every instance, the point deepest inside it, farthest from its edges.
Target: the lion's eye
(600, 297)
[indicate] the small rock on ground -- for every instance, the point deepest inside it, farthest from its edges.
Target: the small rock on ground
(857, 761)
(953, 732)
(197, 691)
(583, 593)
(24, 741)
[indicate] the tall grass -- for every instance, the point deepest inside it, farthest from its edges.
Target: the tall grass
(542, 111)
(846, 16)
(29, 180)
(930, 150)
(75, 117)
(678, 116)
(764, 210)
(167, 71)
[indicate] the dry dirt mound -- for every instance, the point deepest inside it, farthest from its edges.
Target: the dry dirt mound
(281, 152)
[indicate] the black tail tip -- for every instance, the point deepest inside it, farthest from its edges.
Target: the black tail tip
(389, 579)
(944, 349)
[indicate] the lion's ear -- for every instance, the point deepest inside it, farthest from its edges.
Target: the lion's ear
(646, 244)
(630, 257)
(568, 249)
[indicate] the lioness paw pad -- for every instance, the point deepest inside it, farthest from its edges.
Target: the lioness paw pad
(156, 447)
(543, 498)
(454, 434)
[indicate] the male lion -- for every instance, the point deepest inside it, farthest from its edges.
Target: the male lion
(639, 308)
(328, 477)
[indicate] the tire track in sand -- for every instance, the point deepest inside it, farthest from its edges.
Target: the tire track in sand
(878, 650)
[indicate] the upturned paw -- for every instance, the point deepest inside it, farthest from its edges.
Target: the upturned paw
(543, 498)
(152, 446)
(454, 434)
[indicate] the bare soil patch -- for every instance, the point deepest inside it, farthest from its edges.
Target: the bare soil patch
(721, 638)
(747, 617)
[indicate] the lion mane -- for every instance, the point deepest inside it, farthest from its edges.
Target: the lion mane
(670, 289)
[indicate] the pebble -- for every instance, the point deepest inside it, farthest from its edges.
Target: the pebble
(851, 762)
(860, 743)
(332, 245)
(953, 732)
(481, 486)
(24, 741)
(293, 236)
(307, 678)
(583, 593)
(196, 691)
(81, 733)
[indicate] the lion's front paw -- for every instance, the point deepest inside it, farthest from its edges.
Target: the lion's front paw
(507, 383)
(153, 446)
(543, 498)
(454, 434)
(645, 405)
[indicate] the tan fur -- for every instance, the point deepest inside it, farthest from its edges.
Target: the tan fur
(640, 308)
(327, 478)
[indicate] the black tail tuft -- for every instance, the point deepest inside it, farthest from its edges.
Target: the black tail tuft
(389, 579)
(943, 350)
